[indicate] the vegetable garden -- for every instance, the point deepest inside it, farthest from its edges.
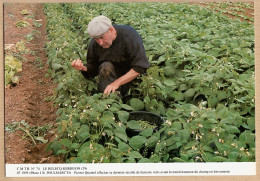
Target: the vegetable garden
(201, 81)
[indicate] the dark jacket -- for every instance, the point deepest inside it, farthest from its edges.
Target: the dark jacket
(126, 52)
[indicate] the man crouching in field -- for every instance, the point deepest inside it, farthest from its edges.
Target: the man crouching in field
(116, 54)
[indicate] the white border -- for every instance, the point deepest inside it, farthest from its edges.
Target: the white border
(131, 169)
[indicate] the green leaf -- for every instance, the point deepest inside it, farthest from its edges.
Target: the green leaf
(123, 116)
(174, 146)
(55, 147)
(247, 137)
(41, 139)
(208, 148)
(15, 79)
(127, 107)
(185, 134)
(115, 152)
(190, 93)
(155, 158)
(183, 87)
(218, 159)
(74, 146)
(120, 133)
(107, 116)
(171, 140)
(137, 142)
(245, 158)
(147, 132)
(176, 159)
(212, 101)
(56, 66)
(61, 152)
(152, 141)
(232, 129)
(108, 132)
(137, 104)
(130, 160)
(170, 82)
(122, 136)
(135, 154)
(124, 147)
(83, 133)
(178, 96)
(160, 60)
(191, 153)
(133, 125)
(145, 160)
(169, 70)
(233, 155)
(160, 147)
(251, 123)
(221, 95)
(66, 142)
(184, 157)
(177, 125)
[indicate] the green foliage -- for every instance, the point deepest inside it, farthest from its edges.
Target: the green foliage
(201, 81)
(22, 24)
(12, 67)
(33, 133)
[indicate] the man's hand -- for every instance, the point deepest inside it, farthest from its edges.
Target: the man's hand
(129, 76)
(78, 65)
(111, 88)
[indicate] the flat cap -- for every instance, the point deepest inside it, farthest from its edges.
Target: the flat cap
(98, 26)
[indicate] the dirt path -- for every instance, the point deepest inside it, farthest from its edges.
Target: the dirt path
(29, 100)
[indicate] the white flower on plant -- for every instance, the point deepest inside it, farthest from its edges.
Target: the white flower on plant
(197, 137)
(234, 144)
(242, 149)
(168, 122)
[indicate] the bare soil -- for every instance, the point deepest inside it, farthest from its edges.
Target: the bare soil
(247, 12)
(27, 99)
